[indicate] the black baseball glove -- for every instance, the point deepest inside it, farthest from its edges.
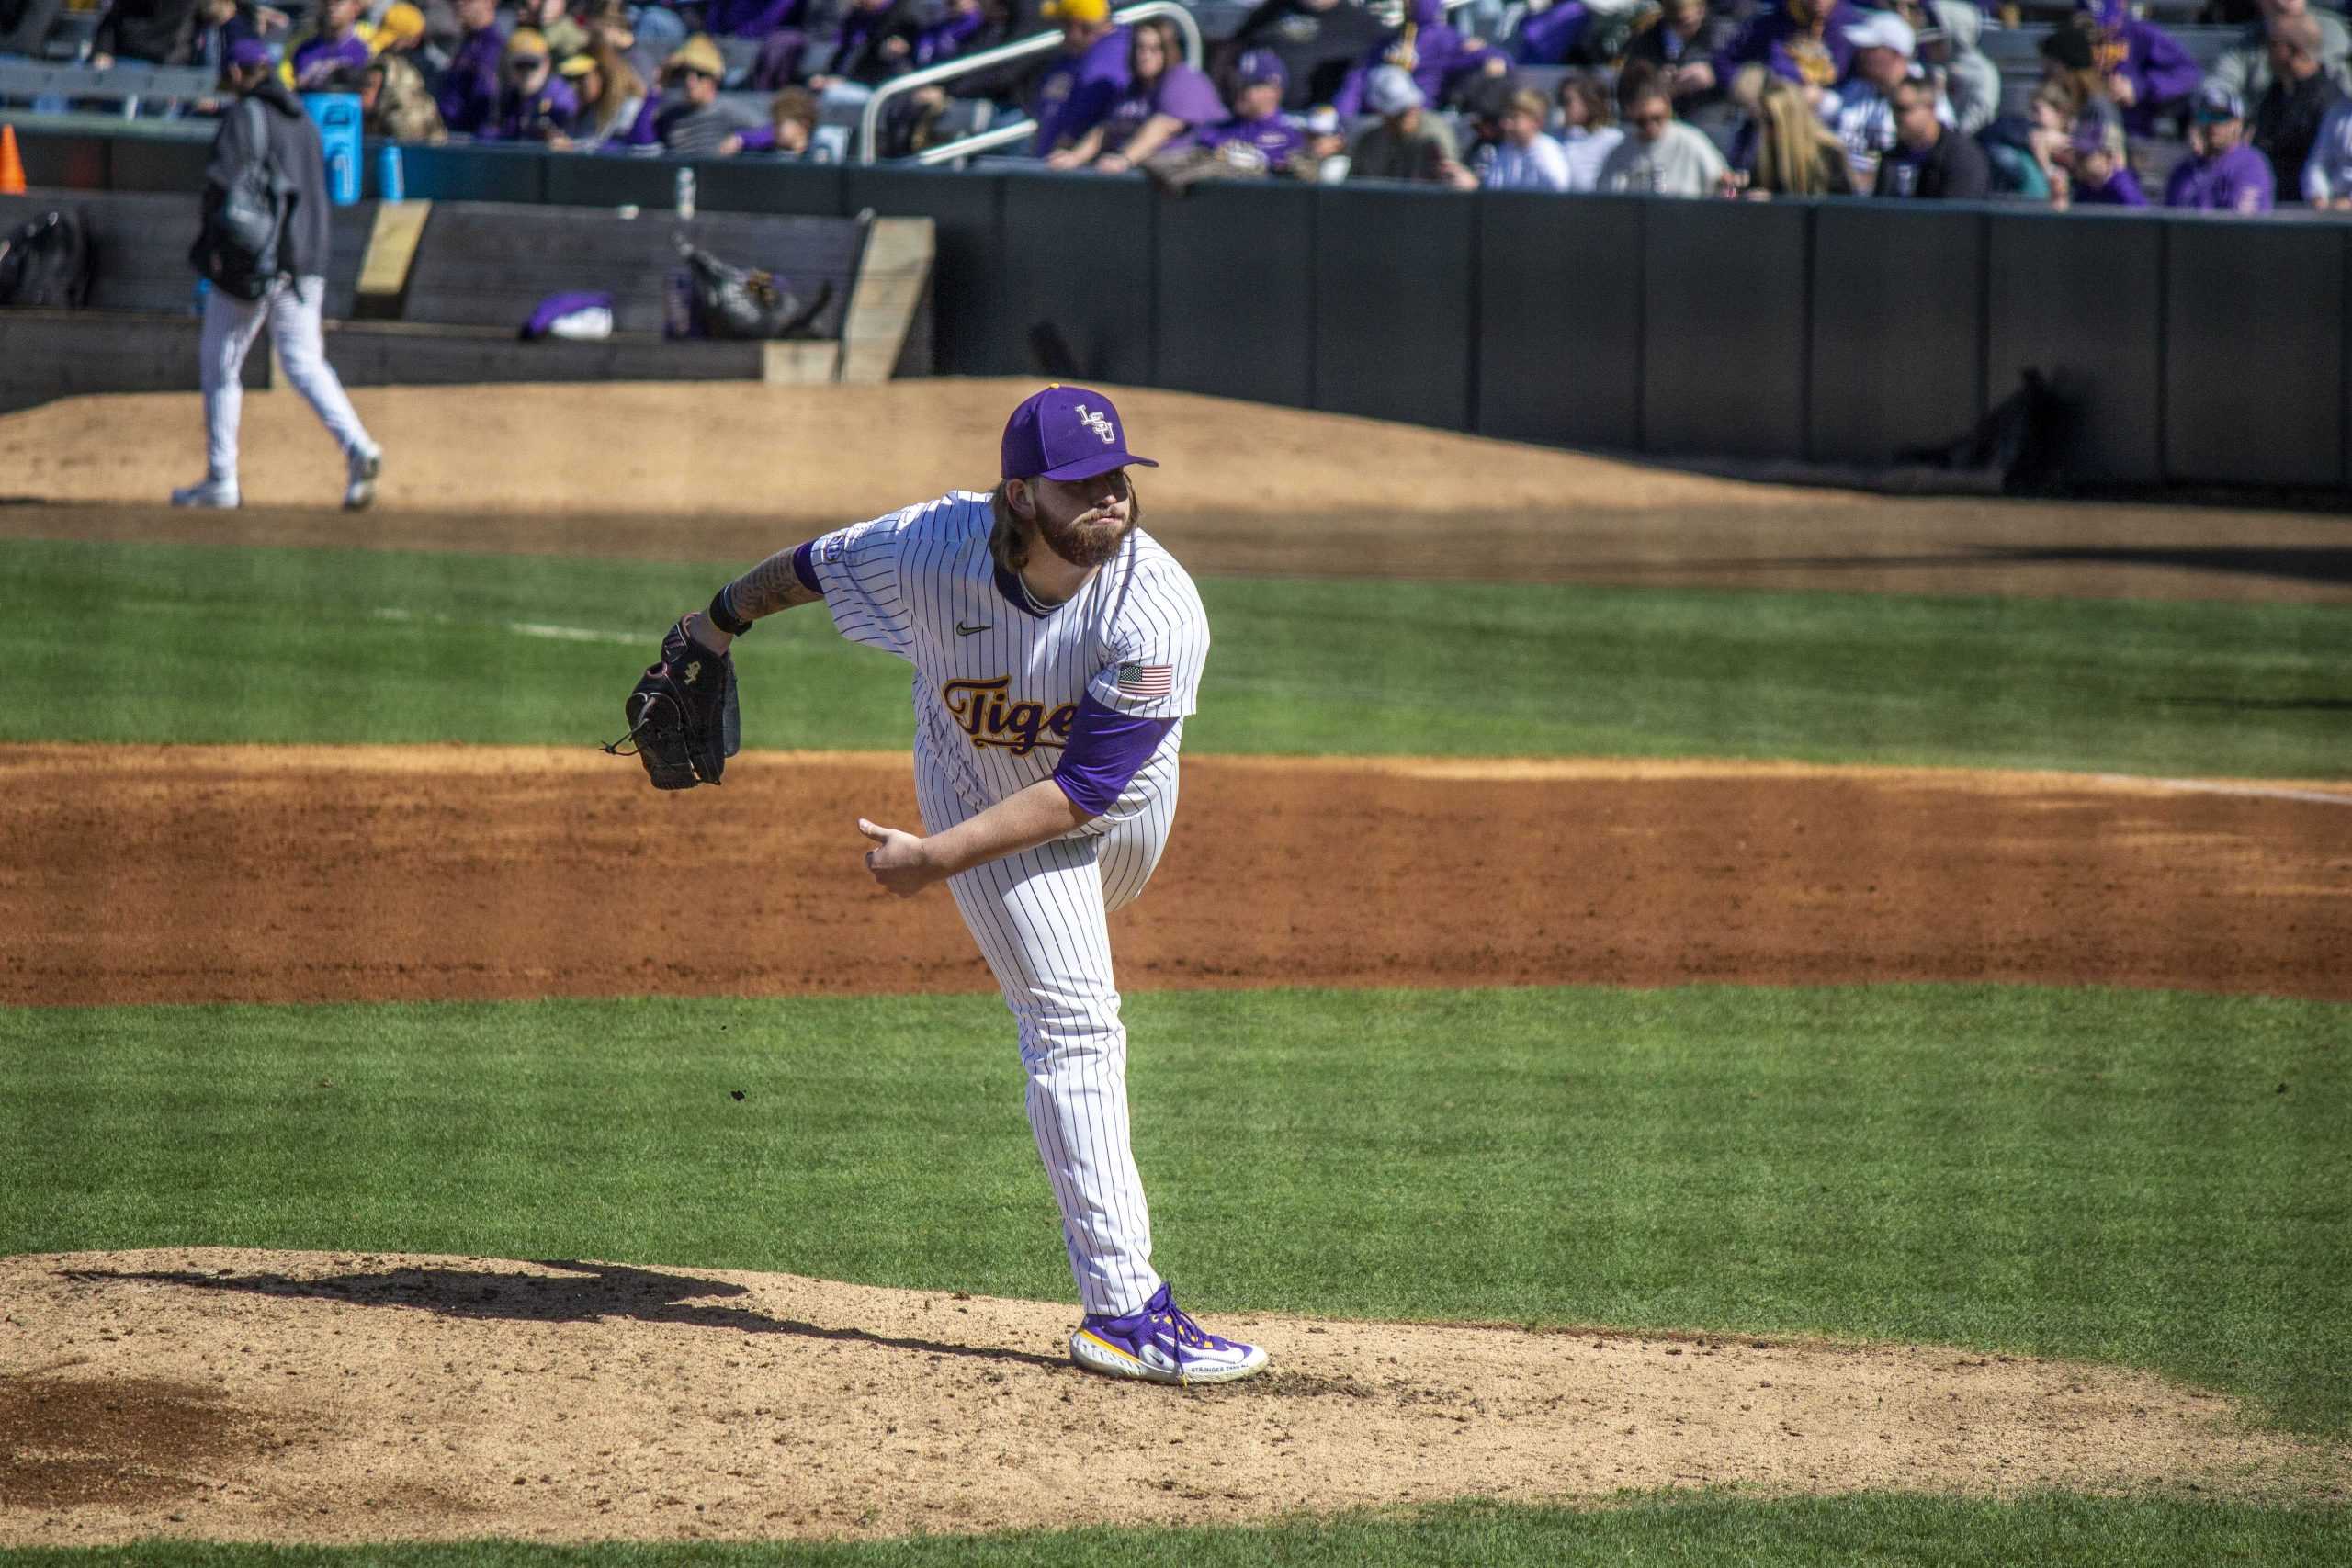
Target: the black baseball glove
(682, 713)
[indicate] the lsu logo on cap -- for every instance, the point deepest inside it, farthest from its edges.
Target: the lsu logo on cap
(1099, 424)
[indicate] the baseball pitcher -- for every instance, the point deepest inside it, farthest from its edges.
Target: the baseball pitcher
(1056, 650)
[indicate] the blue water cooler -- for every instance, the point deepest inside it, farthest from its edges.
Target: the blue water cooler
(337, 116)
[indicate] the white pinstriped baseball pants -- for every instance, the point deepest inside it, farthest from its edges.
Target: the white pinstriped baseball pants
(1041, 920)
(231, 325)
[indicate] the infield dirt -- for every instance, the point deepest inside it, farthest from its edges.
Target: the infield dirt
(359, 1397)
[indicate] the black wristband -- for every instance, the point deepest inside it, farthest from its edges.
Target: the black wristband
(722, 614)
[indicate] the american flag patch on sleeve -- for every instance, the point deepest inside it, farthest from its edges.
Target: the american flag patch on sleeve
(1146, 680)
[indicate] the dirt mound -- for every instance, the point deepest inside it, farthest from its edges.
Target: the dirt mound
(257, 874)
(698, 450)
(360, 1397)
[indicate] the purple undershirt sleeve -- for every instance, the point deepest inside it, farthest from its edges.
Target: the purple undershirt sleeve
(1106, 749)
(804, 566)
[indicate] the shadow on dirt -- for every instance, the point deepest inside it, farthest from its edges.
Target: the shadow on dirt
(597, 1290)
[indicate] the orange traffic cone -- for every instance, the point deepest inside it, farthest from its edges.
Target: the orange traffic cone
(12, 167)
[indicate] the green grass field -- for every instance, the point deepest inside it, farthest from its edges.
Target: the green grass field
(2151, 1179)
(367, 646)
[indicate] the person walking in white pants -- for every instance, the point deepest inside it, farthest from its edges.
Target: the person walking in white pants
(268, 131)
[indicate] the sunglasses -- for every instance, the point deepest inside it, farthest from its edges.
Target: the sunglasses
(524, 63)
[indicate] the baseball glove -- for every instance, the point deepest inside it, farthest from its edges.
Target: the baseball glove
(682, 715)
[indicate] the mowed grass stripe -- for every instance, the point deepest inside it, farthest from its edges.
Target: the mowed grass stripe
(2149, 1179)
(134, 642)
(1659, 1530)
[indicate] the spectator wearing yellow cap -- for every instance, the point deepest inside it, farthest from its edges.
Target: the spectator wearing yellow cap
(553, 20)
(1086, 79)
(693, 121)
(400, 31)
(534, 103)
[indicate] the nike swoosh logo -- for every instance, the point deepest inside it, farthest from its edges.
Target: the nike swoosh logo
(963, 630)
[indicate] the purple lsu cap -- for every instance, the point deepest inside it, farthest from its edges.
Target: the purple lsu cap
(1066, 433)
(248, 52)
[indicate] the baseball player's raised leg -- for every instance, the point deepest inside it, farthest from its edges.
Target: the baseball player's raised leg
(1039, 920)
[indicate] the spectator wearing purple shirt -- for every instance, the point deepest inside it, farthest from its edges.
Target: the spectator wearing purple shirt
(1803, 41)
(2148, 75)
(2098, 172)
(2221, 174)
(332, 54)
(534, 104)
(947, 37)
(749, 18)
(1259, 136)
(469, 95)
(775, 26)
(1436, 56)
(1078, 91)
(1165, 99)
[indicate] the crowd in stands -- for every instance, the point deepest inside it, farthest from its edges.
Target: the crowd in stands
(1739, 98)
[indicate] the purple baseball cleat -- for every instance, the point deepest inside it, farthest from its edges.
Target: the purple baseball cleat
(1158, 1343)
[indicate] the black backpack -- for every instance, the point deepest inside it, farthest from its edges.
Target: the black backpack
(46, 264)
(744, 302)
(238, 248)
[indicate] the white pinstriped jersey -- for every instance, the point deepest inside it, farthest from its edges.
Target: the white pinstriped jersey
(996, 685)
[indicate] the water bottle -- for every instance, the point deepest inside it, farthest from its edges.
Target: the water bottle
(391, 179)
(685, 193)
(203, 292)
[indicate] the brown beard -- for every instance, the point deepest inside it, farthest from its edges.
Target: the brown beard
(1094, 544)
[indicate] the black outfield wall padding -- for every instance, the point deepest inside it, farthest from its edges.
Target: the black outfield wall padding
(1077, 278)
(1560, 320)
(1898, 328)
(1723, 328)
(1394, 326)
(1236, 281)
(2078, 295)
(755, 185)
(2254, 360)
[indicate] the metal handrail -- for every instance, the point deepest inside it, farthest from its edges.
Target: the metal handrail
(870, 122)
(980, 141)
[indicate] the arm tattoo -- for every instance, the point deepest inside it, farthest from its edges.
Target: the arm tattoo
(768, 586)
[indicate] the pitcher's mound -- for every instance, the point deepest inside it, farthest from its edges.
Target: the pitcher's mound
(284, 1397)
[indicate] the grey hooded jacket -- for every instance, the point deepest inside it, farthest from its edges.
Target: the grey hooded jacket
(293, 141)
